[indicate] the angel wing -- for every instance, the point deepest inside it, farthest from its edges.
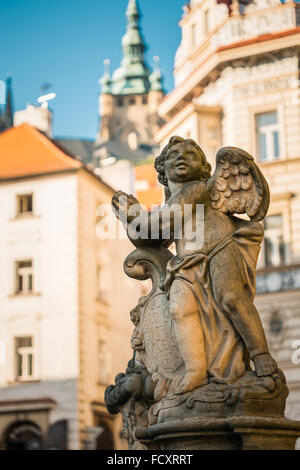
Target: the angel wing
(238, 186)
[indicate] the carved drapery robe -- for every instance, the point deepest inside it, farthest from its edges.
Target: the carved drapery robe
(226, 355)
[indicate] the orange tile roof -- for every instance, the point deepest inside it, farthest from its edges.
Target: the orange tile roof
(146, 172)
(25, 151)
(154, 194)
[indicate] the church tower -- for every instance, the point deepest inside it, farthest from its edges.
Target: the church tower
(130, 97)
(6, 117)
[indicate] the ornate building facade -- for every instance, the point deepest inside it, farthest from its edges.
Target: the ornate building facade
(237, 83)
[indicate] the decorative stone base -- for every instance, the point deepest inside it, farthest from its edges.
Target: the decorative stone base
(248, 396)
(236, 433)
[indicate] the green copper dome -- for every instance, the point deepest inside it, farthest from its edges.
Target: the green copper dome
(133, 75)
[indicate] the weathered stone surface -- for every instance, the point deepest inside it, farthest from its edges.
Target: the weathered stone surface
(237, 433)
(190, 384)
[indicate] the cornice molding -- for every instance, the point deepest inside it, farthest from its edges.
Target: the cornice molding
(217, 66)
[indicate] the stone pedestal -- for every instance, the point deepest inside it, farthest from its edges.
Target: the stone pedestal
(236, 433)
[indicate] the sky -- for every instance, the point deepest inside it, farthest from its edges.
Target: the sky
(64, 42)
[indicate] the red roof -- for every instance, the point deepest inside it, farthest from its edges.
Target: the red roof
(25, 151)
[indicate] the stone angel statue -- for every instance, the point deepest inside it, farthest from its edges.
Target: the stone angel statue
(213, 322)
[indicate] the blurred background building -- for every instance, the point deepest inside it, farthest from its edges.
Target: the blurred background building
(65, 301)
(129, 119)
(237, 84)
(64, 333)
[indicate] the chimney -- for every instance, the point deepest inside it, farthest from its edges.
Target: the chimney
(39, 117)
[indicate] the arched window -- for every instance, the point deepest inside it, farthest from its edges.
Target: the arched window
(105, 439)
(23, 435)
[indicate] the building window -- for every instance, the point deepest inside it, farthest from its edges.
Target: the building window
(134, 51)
(24, 277)
(207, 25)
(132, 101)
(120, 102)
(276, 323)
(144, 100)
(213, 133)
(2, 353)
(23, 435)
(24, 204)
(103, 282)
(267, 135)
(104, 360)
(274, 247)
(24, 353)
(194, 35)
(132, 140)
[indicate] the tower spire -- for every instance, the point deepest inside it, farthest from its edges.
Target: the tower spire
(105, 81)
(133, 75)
(156, 77)
(132, 10)
(9, 115)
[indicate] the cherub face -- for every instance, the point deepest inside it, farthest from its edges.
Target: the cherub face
(183, 163)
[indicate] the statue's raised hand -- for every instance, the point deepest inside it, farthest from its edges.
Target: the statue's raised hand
(121, 203)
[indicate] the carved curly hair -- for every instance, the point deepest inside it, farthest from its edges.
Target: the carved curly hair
(175, 140)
